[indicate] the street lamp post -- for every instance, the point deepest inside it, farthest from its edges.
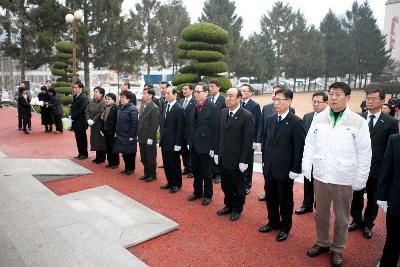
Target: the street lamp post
(74, 22)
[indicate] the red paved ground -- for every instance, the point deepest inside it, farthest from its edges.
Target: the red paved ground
(203, 238)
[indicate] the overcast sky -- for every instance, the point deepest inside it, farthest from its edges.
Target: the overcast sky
(252, 10)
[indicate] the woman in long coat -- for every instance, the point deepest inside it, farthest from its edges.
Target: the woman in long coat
(109, 118)
(127, 124)
(45, 112)
(93, 117)
(56, 110)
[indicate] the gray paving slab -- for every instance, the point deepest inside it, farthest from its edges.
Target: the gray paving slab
(121, 219)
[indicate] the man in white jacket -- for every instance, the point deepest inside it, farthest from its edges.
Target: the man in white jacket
(338, 148)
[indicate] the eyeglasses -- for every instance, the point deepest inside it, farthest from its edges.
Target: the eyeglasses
(279, 99)
(315, 102)
(198, 92)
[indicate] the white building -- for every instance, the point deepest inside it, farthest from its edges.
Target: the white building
(392, 29)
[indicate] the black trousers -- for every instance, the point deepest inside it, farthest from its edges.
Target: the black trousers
(100, 155)
(391, 251)
(58, 123)
(233, 185)
(308, 200)
(129, 160)
(81, 142)
(201, 164)
(279, 198)
(29, 122)
(172, 167)
(186, 156)
(148, 156)
(112, 158)
(248, 174)
(357, 205)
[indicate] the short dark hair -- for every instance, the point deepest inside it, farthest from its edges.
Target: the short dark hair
(150, 91)
(249, 86)
(191, 87)
(321, 93)
(174, 91)
(52, 91)
(48, 81)
(386, 104)
(80, 84)
(215, 81)
(100, 89)
(128, 84)
(127, 94)
(381, 92)
(286, 92)
(166, 83)
(148, 85)
(43, 88)
(341, 85)
(112, 96)
(21, 90)
(204, 86)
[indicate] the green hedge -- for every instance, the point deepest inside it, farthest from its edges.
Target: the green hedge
(65, 46)
(60, 65)
(205, 56)
(388, 87)
(62, 84)
(64, 90)
(58, 72)
(186, 69)
(185, 78)
(210, 67)
(181, 54)
(202, 46)
(205, 32)
(66, 100)
(62, 56)
(225, 82)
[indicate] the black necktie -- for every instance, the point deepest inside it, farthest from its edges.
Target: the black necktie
(371, 123)
(279, 119)
(168, 108)
(243, 104)
(230, 114)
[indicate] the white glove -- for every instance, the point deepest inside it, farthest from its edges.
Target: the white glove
(358, 187)
(177, 148)
(382, 204)
(41, 103)
(130, 139)
(101, 132)
(149, 142)
(243, 167)
(216, 159)
(258, 146)
(188, 147)
(90, 122)
(307, 175)
(211, 153)
(293, 175)
(115, 135)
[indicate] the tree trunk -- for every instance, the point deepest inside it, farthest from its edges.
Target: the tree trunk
(360, 81)
(355, 81)
(294, 85)
(86, 42)
(22, 56)
(365, 81)
(335, 79)
(326, 83)
(349, 79)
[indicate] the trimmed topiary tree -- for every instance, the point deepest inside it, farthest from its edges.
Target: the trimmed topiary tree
(202, 44)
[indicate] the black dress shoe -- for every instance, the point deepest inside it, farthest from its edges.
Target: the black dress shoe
(262, 198)
(247, 191)
(234, 216)
(367, 232)
(282, 236)
(94, 161)
(100, 161)
(217, 179)
(317, 250)
(150, 179)
(174, 189)
(354, 226)
(193, 197)
(206, 201)
(144, 177)
(302, 210)
(223, 211)
(77, 157)
(114, 167)
(336, 259)
(129, 172)
(190, 175)
(83, 157)
(267, 228)
(165, 186)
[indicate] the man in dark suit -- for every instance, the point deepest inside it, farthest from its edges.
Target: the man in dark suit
(219, 101)
(268, 110)
(381, 127)
(282, 150)
(252, 106)
(126, 86)
(188, 103)
(389, 199)
(235, 142)
(78, 117)
(162, 103)
(171, 139)
(202, 141)
(147, 134)
(319, 103)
